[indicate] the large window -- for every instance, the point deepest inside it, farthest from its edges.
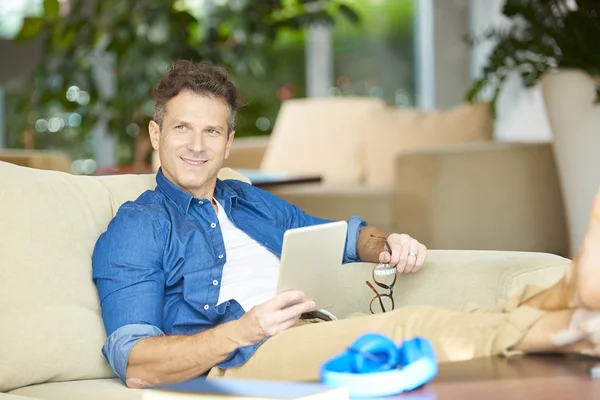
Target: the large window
(376, 58)
(372, 58)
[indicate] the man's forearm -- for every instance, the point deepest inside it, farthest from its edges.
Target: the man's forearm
(169, 359)
(371, 242)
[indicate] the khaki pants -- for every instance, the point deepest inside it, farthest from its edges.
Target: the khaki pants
(456, 334)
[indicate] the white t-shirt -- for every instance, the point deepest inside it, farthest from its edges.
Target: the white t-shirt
(250, 272)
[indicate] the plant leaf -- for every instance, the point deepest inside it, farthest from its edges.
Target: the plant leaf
(349, 13)
(31, 28)
(51, 8)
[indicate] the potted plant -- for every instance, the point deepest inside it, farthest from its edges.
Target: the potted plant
(556, 43)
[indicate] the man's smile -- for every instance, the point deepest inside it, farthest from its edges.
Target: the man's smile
(194, 162)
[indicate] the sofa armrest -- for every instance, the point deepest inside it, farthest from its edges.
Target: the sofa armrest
(452, 278)
(247, 152)
(489, 196)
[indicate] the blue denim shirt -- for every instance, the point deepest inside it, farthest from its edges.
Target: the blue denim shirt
(158, 266)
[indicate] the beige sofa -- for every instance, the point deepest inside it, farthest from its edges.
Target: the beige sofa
(52, 332)
(437, 175)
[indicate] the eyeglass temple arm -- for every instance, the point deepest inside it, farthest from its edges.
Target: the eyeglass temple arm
(376, 294)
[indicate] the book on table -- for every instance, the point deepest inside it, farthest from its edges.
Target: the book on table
(230, 389)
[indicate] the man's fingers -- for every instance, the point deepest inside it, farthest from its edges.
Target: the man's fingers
(395, 245)
(285, 299)
(295, 311)
(413, 252)
(420, 257)
(286, 324)
(400, 253)
(384, 257)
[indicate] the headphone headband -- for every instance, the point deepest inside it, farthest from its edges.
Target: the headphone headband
(374, 366)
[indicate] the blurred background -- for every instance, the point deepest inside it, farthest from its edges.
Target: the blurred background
(85, 89)
(76, 74)
(468, 123)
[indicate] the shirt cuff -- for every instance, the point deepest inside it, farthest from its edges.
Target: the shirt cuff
(118, 345)
(355, 225)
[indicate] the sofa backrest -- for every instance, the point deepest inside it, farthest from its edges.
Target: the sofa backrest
(39, 159)
(356, 139)
(323, 137)
(50, 316)
(411, 130)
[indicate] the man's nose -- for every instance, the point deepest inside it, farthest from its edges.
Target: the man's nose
(196, 143)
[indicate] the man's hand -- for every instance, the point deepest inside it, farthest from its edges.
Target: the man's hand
(273, 316)
(407, 254)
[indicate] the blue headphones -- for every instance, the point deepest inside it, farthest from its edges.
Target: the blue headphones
(374, 366)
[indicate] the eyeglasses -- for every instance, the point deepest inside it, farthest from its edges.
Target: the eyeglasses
(385, 277)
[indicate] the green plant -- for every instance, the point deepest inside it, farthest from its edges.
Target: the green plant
(134, 40)
(543, 34)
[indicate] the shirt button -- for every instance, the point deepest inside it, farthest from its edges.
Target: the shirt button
(200, 202)
(206, 307)
(213, 225)
(220, 255)
(215, 282)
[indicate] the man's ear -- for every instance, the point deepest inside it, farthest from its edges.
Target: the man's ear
(154, 131)
(229, 141)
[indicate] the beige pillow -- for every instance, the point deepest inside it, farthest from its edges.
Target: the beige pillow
(322, 137)
(411, 130)
(52, 328)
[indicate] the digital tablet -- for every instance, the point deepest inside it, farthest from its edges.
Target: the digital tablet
(311, 261)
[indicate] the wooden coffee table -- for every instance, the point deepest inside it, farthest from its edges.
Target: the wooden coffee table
(530, 377)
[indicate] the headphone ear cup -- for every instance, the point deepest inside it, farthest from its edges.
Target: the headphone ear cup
(373, 352)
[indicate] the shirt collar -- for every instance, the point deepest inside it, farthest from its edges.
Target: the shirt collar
(183, 199)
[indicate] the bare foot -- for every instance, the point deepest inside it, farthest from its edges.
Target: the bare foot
(583, 276)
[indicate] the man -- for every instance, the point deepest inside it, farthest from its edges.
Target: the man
(187, 273)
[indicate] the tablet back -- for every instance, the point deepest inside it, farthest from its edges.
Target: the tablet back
(311, 261)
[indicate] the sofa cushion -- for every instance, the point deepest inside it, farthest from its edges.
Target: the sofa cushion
(96, 389)
(452, 278)
(16, 397)
(52, 328)
(323, 137)
(411, 129)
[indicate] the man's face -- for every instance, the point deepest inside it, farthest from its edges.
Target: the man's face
(193, 141)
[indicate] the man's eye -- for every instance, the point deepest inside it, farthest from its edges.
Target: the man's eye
(212, 132)
(180, 127)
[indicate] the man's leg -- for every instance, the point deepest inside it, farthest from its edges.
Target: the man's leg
(296, 354)
(530, 326)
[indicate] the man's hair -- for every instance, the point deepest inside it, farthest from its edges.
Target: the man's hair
(203, 79)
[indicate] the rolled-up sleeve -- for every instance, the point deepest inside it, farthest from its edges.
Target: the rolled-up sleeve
(118, 345)
(128, 273)
(355, 225)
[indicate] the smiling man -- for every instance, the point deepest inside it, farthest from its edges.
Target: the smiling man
(194, 137)
(187, 273)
